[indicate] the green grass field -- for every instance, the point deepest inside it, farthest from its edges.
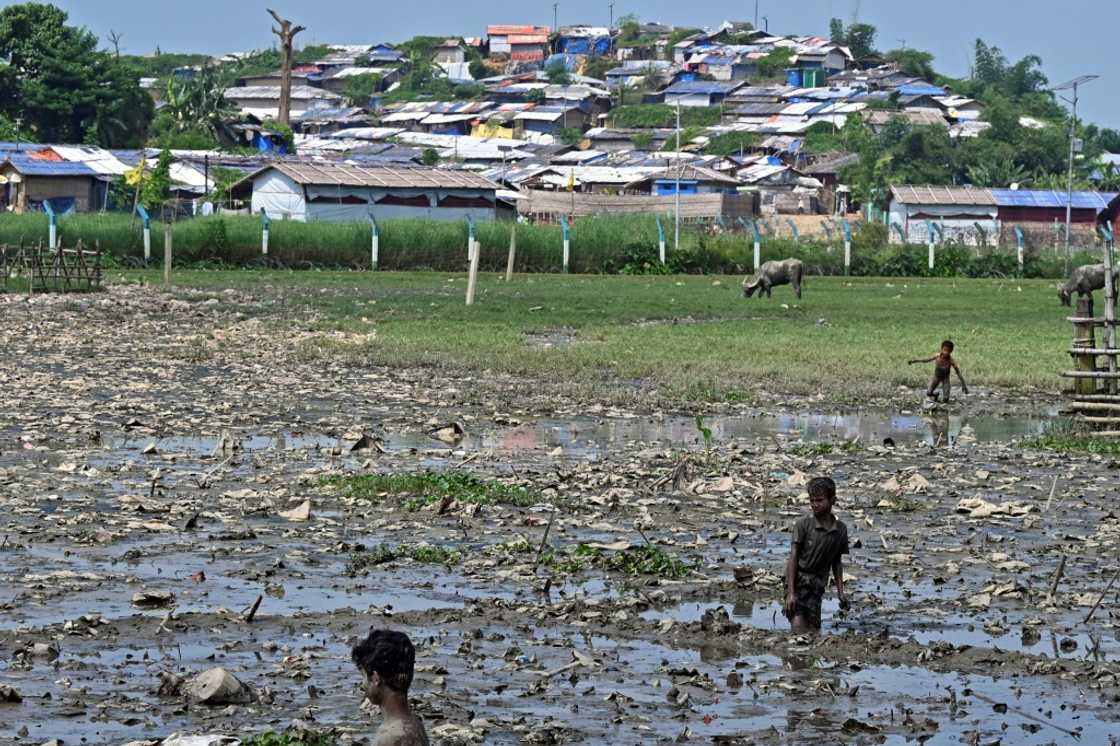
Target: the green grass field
(690, 338)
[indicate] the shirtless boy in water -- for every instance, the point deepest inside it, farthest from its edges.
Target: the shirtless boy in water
(388, 660)
(944, 364)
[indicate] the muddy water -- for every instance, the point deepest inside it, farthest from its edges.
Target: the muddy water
(90, 522)
(594, 438)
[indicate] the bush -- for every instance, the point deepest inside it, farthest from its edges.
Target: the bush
(618, 244)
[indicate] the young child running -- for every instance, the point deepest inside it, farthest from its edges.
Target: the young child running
(943, 365)
(819, 540)
(388, 660)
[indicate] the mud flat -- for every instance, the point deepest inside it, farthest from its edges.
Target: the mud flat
(571, 571)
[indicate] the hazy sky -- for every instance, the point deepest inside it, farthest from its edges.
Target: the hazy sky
(1073, 37)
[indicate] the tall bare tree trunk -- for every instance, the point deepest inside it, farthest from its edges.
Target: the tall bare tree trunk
(287, 33)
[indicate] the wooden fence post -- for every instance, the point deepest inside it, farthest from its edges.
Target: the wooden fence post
(512, 252)
(167, 253)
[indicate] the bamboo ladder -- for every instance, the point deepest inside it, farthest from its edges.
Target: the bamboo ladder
(1095, 397)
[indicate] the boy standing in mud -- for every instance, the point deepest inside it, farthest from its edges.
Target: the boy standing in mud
(943, 365)
(388, 660)
(819, 541)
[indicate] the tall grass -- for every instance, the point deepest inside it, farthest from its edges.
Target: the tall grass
(601, 244)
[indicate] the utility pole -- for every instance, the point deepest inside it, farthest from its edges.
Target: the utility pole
(1073, 85)
(556, 18)
(287, 33)
(611, 6)
(677, 219)
(756, 14)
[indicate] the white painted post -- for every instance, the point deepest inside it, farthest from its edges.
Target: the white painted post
(472, 278)
(931, 250)
(264, 240)
(52, 237)
(375, 246)
(757, 254)
(567, 252)
(147, 242)
(847, 256)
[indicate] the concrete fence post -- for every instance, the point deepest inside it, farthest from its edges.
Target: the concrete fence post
(1020, 247)
(930, 241)
(566, 232)
(264, 232)
(375, 244)
(52, 225)
(660, 239)
(147, 223)
(847, 246)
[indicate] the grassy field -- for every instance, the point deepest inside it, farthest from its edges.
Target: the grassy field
(680, 337)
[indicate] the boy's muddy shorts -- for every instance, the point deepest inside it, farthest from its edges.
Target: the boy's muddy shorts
(808, 596)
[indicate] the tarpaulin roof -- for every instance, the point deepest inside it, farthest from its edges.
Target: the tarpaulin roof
(685, 87)
(39, 167)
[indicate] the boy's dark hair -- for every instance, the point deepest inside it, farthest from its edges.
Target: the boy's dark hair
(391, 654)
(823, 486)
(948, 343)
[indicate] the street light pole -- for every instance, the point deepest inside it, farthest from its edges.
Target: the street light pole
(1073, 85)
(677, 220)
(611, 6)
(556, 17)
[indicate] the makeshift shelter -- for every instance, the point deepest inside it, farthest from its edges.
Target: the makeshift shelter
(346, 193)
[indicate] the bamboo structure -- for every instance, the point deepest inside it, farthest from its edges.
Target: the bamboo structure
(1095, 374)
(51, 270)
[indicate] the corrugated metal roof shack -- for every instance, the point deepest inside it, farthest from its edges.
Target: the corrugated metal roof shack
(340, 193)
(27, 181)
(961, 209)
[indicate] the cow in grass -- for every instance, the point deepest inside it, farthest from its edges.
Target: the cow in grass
(771, 274)
(1083, 281)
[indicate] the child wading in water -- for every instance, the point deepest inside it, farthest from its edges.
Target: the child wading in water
(388, 660)
(944, 364)
(819, 540)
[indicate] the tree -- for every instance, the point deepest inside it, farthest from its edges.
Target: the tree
(775, 62)
(859, 38)
(63, 87)
(430, 157)
(992, 69)
(913, 62)
(193, 109)
(360, 88)
(570, 136)
(156, 189)
(558, 74)
(630, 28)
(287, 33)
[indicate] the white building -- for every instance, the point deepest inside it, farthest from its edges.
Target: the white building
(263, 101)
(342, 193)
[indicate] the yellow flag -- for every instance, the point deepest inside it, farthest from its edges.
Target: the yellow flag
(132, 178)
(572, 180)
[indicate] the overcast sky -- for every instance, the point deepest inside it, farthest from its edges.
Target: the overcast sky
(1073, 37)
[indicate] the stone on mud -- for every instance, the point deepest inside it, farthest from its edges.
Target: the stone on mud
(218, 687)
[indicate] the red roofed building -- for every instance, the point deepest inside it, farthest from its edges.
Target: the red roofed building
(521, 43)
